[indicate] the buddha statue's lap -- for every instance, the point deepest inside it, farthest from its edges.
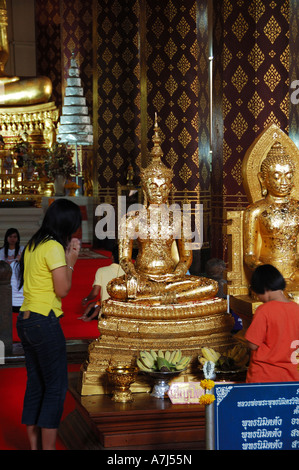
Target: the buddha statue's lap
(15, 91)
(21, 92)
(185, 289)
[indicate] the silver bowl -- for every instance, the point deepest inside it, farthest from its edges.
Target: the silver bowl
(161, 381)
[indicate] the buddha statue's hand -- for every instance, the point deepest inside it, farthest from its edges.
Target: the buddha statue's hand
(180, 270)
(128, 266)
(135, 285)
(178, 274)
(252, 261)
(170, 277)
(294, 278)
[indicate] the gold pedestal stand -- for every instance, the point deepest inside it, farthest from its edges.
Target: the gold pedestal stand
(127, 328)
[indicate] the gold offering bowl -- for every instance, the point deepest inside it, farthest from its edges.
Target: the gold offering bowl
(120, 378)
(72, 187)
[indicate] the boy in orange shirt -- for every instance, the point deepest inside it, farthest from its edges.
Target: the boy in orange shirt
(273, 335)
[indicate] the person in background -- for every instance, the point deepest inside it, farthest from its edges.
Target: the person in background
(17, 294)
(11, 253)
(102, 277)
(215, 268)
(274, 332)
(46, 268)
(11, 250)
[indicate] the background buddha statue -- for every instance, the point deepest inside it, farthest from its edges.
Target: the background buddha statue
(155, 277)
(13, 90)
(271, 225)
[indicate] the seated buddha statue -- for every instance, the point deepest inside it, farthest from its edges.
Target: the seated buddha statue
(15, 91)
(155, 277)
(271, 225)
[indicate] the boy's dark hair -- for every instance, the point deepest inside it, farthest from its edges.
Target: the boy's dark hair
(267, 277)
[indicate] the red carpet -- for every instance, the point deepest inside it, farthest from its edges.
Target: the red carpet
(83, 278)
(13, 434)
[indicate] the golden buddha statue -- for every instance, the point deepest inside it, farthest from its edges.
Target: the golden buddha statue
(155, 278)
(13, 90)
(156, 304)
(271, 225)
(267, 230)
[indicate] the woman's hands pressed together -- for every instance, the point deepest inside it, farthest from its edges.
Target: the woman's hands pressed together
(72, 252)
(62, 277)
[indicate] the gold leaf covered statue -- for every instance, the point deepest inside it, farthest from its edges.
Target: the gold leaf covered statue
(13, 90)
(155, 278)
(271, 225)
(156, 303)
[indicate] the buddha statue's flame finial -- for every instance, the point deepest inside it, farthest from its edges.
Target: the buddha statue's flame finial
(156, 151)
(156, 166)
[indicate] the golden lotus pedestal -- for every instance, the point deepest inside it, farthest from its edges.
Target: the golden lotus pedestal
(127, 328)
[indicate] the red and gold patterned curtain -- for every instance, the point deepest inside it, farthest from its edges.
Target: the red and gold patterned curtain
(251, 82)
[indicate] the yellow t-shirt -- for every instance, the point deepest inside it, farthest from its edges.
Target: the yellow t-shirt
(38, 290)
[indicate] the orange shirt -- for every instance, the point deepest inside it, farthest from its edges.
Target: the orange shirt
(275, 326)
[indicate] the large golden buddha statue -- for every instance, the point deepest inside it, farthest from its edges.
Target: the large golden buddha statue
(13, 90)
(156, 304)
(271, 225)
(156, 278)
(266, 232)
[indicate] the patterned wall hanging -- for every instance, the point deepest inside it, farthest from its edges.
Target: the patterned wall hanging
(255, 90)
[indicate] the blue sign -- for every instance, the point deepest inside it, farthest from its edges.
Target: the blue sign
(263, 416)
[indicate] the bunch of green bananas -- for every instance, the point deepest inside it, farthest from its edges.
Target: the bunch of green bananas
(152, 361)
(240, 354)
(208, 354)
(235, 358)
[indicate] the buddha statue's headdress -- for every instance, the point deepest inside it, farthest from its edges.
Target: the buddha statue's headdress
(156, 167)
(276, 154)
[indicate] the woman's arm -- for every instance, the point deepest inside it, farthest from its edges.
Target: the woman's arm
(62, 276)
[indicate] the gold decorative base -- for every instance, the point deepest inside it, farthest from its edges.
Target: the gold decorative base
(244, 306)
(34, 121)
(127, 328)
(15, 120)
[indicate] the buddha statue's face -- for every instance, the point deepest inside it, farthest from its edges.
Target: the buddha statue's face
(157, 189)
(279, 180)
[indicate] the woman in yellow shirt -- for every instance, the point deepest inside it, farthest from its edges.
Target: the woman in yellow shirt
(46, 268)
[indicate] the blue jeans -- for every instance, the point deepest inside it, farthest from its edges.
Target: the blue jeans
(46, 362)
